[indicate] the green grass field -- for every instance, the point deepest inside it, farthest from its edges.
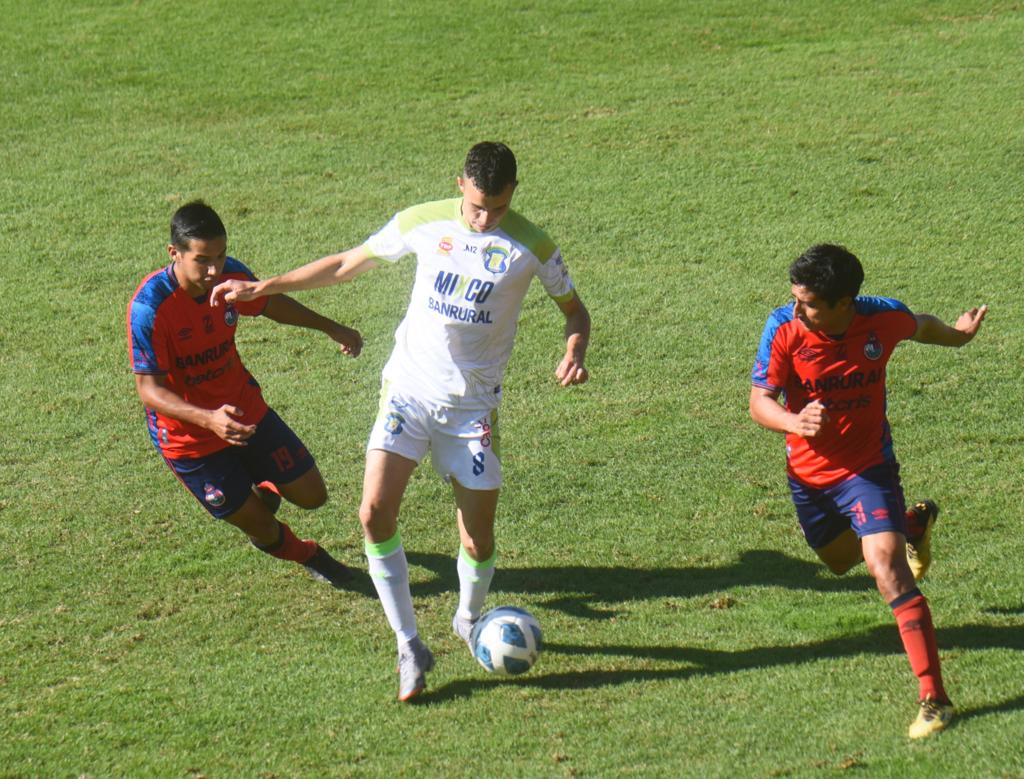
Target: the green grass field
(682, 154)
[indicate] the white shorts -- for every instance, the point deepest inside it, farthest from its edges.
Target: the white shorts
(463, 444)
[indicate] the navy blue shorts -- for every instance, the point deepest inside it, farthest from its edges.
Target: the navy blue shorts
(223, 481)
(869, 502)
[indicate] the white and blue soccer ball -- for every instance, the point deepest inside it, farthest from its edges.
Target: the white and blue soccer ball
(506, 641)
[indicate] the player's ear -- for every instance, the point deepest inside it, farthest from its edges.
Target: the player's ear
(172, 251)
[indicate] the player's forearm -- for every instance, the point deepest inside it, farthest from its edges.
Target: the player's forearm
(932, 330)
(766, 411)
(171, 404)
(319, 273)
(288, 311)
(577, 332)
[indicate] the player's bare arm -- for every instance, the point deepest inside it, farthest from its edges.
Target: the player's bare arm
(325, 272)
(766, 411)
(932, 330)
(221, 421)
(577, 337)
(287, 311)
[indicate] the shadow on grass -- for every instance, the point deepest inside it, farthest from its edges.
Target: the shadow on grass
(881, 640)
(590, 591)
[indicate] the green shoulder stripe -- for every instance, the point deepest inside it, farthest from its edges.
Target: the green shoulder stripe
(527, 233)
(424, 213)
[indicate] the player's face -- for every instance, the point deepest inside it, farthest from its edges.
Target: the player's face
(199, 267)
(817, 315)
(483, 212)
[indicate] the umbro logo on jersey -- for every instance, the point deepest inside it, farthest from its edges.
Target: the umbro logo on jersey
(809, 354)
(185, 333)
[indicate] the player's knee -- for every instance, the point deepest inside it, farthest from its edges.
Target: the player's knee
(377, 518)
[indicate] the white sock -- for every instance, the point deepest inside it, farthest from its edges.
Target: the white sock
(474, 583)
(389, 570)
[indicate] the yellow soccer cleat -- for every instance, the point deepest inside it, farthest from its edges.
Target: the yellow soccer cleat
(919, 548)
(932, 718)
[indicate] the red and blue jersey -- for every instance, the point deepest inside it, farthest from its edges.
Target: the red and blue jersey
(192, 345)
(846, 374)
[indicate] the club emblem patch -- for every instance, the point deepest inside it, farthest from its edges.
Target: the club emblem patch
(873, 347)
(393, 423)
(495, 259)
(230, 316)
(213, 496)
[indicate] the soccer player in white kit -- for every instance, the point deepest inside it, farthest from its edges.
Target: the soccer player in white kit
(441, 387)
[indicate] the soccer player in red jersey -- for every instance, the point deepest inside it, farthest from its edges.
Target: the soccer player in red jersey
(826, 353)
(205, 411)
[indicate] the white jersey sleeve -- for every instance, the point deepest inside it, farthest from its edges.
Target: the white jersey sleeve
(555, 277)
(388, 243)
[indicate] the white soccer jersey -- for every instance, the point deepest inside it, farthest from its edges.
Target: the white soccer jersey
(456, 338)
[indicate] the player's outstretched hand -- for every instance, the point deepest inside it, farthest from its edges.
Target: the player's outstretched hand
(970, 321)
(571, 371)
(811, 420)
(349, 340)
(223, 423)
(232, 291)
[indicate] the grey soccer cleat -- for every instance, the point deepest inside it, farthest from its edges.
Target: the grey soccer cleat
(463, 628)
(414, 660)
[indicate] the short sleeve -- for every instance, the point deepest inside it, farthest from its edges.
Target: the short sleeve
(388, 243)
(554, 275)
(148, 350)
(771, 368)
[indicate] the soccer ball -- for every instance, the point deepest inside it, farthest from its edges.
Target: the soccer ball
(506, 641)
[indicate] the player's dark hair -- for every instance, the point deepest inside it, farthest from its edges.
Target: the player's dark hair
(831, 272)
(491, 166)
(195, 220)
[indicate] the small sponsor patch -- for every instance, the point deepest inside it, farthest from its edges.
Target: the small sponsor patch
(444, 246)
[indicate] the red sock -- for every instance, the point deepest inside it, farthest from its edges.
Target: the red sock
(918, 634)
(289, 547)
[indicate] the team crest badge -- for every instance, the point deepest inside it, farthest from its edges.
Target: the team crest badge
(393, 423)
(444, 247)
(495, 259)
(213, 496)
(230, 316)
(873, 347)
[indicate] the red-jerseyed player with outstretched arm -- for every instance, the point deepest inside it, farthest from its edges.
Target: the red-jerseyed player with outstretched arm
(206, 413)
(826, 354)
